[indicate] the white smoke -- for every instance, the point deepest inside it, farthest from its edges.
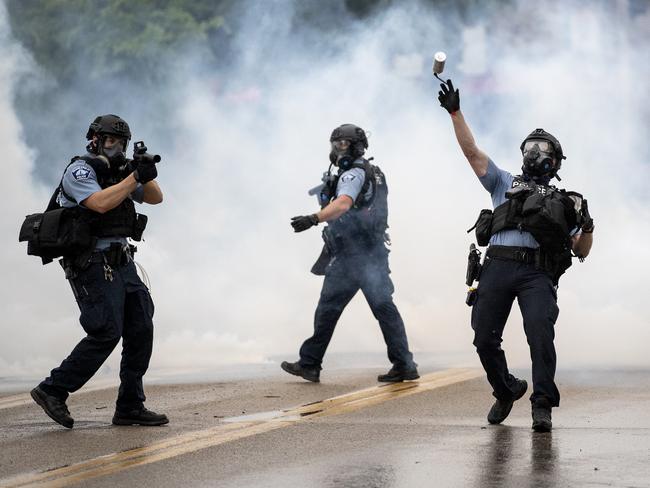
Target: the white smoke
(229, 277)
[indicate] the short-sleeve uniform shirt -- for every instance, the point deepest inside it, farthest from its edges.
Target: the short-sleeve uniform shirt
(79, 182)
(498, 182)
(351, 183)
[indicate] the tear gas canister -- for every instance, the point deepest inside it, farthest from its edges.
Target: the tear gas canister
(439, 62)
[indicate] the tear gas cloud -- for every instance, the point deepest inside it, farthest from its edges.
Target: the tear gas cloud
(229, 277)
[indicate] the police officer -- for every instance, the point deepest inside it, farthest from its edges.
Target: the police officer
(113, 301)
(355, 257)
(532, 232)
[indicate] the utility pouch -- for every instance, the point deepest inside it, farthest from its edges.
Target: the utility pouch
(56, 233)
(483, 227)
(139, 225)
(533, 204)
(544, 218)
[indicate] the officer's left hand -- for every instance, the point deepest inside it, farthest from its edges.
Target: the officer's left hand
(587, 221)
(145, 172)
(304, 222)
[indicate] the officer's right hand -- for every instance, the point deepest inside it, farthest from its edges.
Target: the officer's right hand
(145, 172)
(303, 222)
(449, 97)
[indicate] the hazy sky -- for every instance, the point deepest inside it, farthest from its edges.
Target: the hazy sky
(231, 280)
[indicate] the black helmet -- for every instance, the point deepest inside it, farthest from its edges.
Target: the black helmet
(109, 124)
(354, 134)
(534, 162)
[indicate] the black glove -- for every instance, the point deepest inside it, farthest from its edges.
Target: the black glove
(587, 221)
(145, 172)
(449, 98)
(304, 222)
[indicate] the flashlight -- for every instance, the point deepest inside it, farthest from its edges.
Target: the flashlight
(439, 64)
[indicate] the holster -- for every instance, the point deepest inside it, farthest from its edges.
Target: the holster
(473, 266)
(321, 263)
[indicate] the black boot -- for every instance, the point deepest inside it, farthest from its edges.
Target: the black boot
(140, 416)
(309, 374)
(54, 407)
(542, 416)
(501, 408)
(395, 375)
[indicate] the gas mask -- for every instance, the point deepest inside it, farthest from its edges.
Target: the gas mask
(538, 158)
(114, 149)
(340, 154)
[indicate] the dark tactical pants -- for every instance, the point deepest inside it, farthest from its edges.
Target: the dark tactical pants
(110, 310)
(501, 282)
(345, 276)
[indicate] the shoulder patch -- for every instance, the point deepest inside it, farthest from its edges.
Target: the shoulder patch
(81, 173)
(347, 177)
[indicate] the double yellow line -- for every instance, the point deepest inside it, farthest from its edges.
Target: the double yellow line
(235, 428)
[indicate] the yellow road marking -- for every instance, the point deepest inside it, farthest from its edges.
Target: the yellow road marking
(20, 399)
(15, 400)
(235, 428)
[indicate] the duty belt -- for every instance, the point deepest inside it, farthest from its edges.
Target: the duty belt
(115, 256)
(521, 254)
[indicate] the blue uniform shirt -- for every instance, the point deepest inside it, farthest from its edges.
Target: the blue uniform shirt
(345, 229)
(79, 182)
(497, 182)
(351, 182)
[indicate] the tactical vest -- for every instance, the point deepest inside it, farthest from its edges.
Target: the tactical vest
(364, 226)
(73, 232)
(121, 221)
(549, 214)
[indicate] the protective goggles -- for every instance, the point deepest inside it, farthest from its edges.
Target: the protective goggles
(112, 144)
(340, 146)
(542, 145)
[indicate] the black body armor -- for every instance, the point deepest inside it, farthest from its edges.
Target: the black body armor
(548, 213)
(73, 232)
(364, 226)
(123, 220)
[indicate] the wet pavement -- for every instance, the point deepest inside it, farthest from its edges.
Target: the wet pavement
(435, 437)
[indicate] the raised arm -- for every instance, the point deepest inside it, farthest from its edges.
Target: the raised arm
(450, 100)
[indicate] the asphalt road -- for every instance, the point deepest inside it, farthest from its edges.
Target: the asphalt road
(344, 432)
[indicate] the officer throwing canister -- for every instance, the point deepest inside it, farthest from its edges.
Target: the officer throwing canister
(532, 234)
(355, 257)
(96, 198)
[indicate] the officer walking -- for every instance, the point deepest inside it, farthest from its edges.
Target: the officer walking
(531, 234)
(355, 257)
(113, 301)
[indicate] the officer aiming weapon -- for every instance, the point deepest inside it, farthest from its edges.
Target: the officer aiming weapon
(141, 156)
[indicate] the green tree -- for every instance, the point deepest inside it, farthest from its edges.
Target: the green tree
(109, 38)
